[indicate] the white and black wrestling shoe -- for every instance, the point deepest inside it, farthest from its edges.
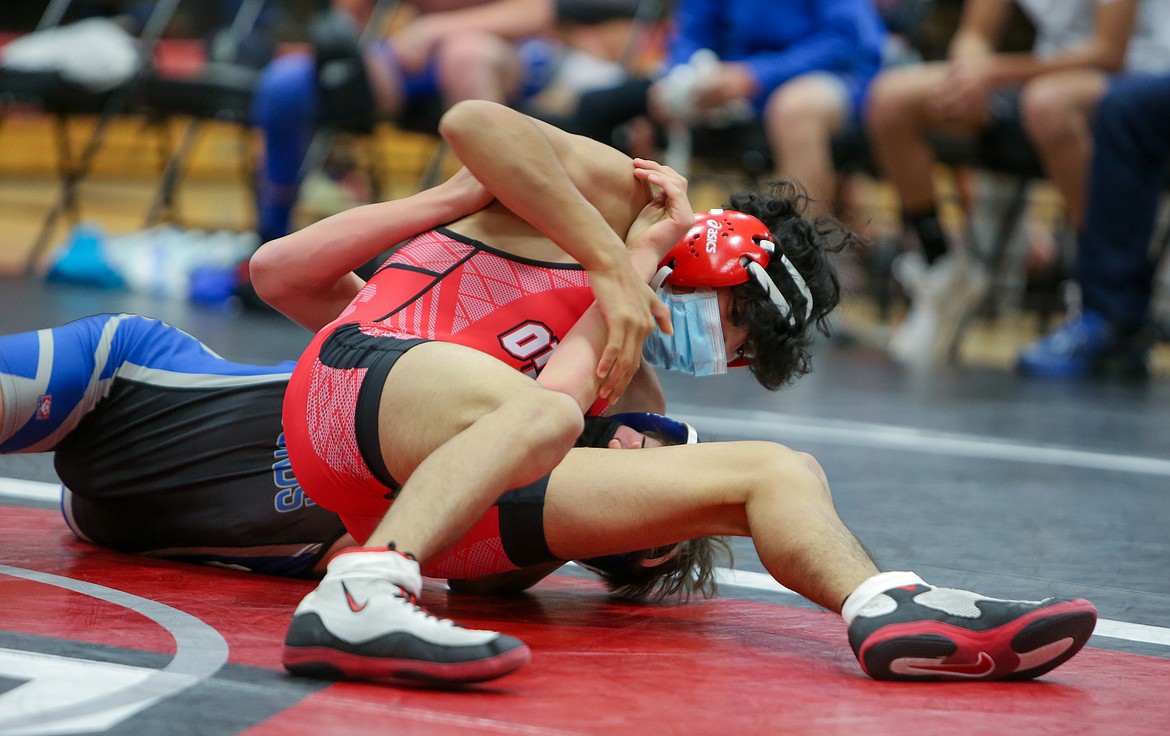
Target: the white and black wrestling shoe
(363, 622)
(920, 632)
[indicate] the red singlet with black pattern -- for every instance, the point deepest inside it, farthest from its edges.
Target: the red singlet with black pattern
(437, 286)
(443, 286)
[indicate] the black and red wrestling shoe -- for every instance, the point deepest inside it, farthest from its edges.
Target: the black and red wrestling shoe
(923, 633)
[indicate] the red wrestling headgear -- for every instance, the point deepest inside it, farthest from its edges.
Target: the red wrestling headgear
(728, 248)
(712, 252)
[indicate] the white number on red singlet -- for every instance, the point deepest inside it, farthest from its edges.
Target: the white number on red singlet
(531, 343)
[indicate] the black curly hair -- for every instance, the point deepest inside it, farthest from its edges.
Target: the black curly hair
(778, 349)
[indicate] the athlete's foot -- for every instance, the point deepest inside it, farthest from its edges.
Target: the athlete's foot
(363, 622)
(919, 632)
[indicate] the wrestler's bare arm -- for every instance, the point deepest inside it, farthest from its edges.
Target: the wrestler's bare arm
(660, 225)
(577, 192)
(581, 195)
(308, 275)
(643, 394)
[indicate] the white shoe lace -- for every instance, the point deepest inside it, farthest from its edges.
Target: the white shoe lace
(412, 601)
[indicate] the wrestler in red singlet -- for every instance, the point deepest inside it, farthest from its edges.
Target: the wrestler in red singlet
(437, 286)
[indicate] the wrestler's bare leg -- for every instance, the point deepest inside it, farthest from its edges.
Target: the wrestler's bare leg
(460, 428)
(487, 428)
(601, 502)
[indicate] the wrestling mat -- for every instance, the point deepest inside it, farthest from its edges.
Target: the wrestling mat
(93, 641)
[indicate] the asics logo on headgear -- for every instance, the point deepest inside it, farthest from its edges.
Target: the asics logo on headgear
(713, 228)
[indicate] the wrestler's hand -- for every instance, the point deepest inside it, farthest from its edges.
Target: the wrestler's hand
(666, 218)
(466, 193)
(659, 226)
(630, 309)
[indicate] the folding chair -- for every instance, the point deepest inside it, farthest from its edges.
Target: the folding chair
(221, 91)
(328, 130)
(53, 93)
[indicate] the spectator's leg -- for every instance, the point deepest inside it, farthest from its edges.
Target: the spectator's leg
(898, 121)
(801, 117)
(478, 66)
(1131, 151)
(944, 289)
(1056, 109)
(285, 109)
(1126, 180)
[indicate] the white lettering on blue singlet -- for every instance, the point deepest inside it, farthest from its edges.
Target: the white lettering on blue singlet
(289, 494)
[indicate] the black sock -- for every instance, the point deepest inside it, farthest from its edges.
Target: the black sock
(930, 233)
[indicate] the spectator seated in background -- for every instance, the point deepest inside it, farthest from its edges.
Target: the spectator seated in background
(800, 68)
(449, 50)
(1051, 91)
(598, 45)
(1115, 268)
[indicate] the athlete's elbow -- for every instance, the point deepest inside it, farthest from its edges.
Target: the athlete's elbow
(580, 386)
(268, 278)
(466, 118)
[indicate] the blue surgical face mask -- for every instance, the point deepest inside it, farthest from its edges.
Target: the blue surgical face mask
(697, 345)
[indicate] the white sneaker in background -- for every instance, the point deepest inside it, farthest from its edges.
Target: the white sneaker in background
(943, 296)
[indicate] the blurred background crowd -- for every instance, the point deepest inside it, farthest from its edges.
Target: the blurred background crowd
(1005, 160)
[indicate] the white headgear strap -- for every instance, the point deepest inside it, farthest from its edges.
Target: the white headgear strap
(659, 276)
(763, 279)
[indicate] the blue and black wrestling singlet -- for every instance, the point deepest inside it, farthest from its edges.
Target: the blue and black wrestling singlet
(164, 448)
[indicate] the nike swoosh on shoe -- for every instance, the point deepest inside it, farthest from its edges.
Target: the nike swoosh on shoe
(983, 666)
(353, 604)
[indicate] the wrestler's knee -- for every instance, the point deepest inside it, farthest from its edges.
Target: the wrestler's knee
(780, 469)
(546, 421)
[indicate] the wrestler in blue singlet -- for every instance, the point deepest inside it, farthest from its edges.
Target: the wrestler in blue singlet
(155, 437)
